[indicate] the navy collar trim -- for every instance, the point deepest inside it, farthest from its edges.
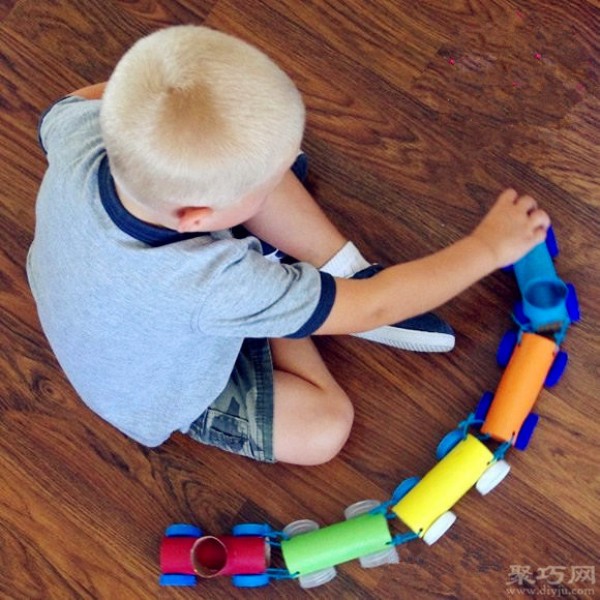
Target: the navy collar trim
(152, 235)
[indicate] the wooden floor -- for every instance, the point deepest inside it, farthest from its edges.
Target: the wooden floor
(419, 114)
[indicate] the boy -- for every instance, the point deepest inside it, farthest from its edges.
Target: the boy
(159, 316)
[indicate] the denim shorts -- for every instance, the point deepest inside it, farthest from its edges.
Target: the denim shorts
(240, 420)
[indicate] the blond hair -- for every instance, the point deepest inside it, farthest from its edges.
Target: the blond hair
(195, 117)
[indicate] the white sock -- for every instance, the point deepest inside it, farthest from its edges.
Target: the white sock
(346, 262)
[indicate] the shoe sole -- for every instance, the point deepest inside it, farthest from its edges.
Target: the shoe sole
(415, 341)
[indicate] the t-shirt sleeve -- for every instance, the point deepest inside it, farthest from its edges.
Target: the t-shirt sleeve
(64, 120)
(250, 296)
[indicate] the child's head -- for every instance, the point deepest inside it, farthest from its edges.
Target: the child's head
(195, 117)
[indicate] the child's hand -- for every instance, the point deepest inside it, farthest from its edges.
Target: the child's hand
(512, 227)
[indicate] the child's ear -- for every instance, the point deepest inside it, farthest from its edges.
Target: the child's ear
(194, 218)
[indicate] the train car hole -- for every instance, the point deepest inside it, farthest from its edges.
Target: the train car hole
(209, 556)
(546, 294)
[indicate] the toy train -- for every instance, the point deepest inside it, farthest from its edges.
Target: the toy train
(532, 358)
(310, 554)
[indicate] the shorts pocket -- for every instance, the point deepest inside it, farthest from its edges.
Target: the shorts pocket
(225, 431)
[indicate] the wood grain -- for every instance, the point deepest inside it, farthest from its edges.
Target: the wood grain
(418, 114)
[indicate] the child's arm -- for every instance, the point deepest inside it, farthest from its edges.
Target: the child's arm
(511, 228)
(90, 92)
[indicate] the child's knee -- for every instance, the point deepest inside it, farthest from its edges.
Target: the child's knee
(331, 427)
(312, 425)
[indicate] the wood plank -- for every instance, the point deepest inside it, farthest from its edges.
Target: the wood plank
(418, 114)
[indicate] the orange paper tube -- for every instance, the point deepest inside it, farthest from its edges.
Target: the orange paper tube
(520, 386)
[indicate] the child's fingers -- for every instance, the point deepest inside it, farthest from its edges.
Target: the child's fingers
(508, 196)
(527, 203)
(539, 219)
(539, 235)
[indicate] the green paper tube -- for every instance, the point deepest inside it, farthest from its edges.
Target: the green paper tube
(336, 544)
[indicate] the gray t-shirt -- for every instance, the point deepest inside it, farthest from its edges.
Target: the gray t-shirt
(147, 323)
